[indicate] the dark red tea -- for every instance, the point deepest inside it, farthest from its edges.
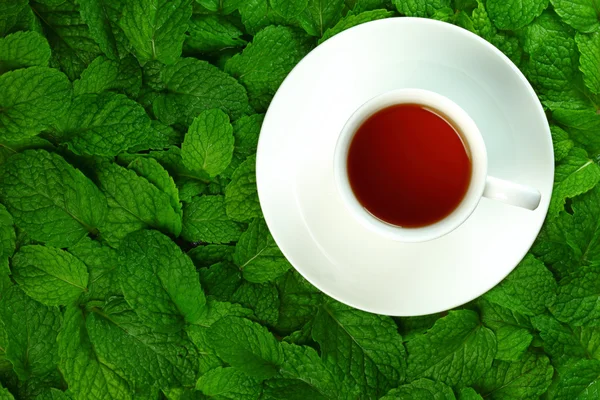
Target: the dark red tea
(408, 166)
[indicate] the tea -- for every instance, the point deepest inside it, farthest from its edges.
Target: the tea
(408, 166)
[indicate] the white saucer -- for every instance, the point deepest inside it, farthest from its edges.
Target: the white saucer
(295, 179)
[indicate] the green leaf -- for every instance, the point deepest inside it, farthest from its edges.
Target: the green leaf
(73, 46)
(23, 49)
(421, 389)
(529, 289)
(5, 394)
(85, 374)
(367, 5)
(302, 364)
(205, 256)
(351, 20)
(366, 347)
(289, 8)
(469, 394)
(221, 280)
(192, 86)
(205, 220)
(514, 14)
(257, 254)
(528, 378)
(565, 344)
(155, 174)
(262, 298)
(562, 143)
(49, 275)
(246, 131)
(265, 62)
(457, 350)
(420, 8)
(102, 18)
(223, 6)
(156, 28)
(320, 15)
(136, 352)
(298, 301)
(213, 33)
(208, 143)
(159, 281)
(31, 330)
(577, 299)
(103, 74)
(247, 346)
(583, 126)
(513, 341)
(589, 60)
(551, 245)
(578, 382)
(102, 264)
(228, 383)
(584, 235)
(580, 14)
(31, 100)
(49, 199)
(241, 195)
(134, 203)
(575, 175)
(7, 240)
(258, 14)
(495, 316)
(103, 124)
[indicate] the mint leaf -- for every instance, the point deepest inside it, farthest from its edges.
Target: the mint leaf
(258, 14)
(86, 375)
(262, 298)
(562, 143)
(582, 126)
(514, 14)
(192, 86)
(208, 143)
(576, 302)
(159, 281)
(457, 350)
(221, 280)
(49, 275)
(576, 174)
(584, 233)
(421, 389)
(5, 394)
(49, 199)
(124, 76)
(102, 263)
(73, 46)
(134, 203)
(247, 346)
(23, 49)
(579, 381)
(133, 350)
(7, 240)
(580, 14)
(31, 99)
(228, 383)
(551, 244)
(565, 344)
(469, 394)
(31, 330)
(420, 8)
(265, 62)
(156, 28)
(205, 256)
(205, 220)
(366, 347)
(245, 131)
(102, 16)
(302, 364)
(103, 124)
(319, 15)
(257, 255)
(513, 341)
(213, 33)
(525, 379)
(241, 195)
(155, 174)
(288, 8)
(529, 289)
(351, 20)
(223, 6)
(298, 301)
(589, 47)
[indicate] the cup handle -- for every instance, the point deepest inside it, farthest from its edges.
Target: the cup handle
(512, 193)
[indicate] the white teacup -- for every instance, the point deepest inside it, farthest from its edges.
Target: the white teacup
(481, 185)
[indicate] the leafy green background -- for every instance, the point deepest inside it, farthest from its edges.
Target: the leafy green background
(134, 259)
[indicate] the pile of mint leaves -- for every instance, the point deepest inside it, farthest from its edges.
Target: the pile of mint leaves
(134, 259)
